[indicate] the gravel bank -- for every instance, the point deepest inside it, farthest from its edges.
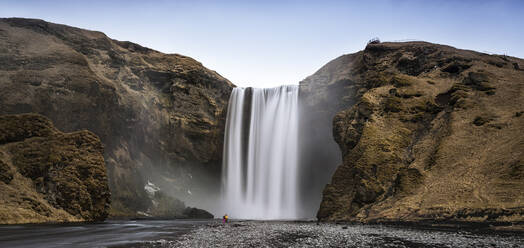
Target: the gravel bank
(308, 234)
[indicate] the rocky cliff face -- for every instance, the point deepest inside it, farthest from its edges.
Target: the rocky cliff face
(47, 175)
(322, 95)
(159, 116)
(426, 132)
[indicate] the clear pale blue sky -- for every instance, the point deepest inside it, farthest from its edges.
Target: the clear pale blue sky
(268, 43)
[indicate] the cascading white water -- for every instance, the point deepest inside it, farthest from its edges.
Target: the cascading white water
(260, 177)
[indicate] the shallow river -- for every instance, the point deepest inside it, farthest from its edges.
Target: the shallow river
(212, 233)
(106, 234)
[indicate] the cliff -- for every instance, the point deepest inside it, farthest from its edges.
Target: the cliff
(426, 132)
(159, 116)
(47, 175)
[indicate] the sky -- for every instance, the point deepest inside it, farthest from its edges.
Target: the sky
(270, 43)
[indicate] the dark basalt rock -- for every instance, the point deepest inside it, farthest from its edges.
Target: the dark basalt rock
(479, 120)
(455, 68)
(195, 213)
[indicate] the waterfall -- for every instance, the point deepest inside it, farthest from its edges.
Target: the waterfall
(260, 177)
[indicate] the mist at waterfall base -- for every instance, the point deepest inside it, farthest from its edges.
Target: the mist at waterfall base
(270, 170)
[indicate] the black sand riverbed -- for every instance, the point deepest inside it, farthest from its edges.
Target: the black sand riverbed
(310, 234)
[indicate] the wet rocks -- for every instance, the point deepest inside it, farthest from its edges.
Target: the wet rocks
(165, 206)
(195, 213)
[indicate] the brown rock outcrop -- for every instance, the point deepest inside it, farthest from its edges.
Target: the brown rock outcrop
(50, 176)
(160, 116)
(434, 133)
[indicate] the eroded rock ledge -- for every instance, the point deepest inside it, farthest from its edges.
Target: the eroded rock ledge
(434, 133)
(50, 176)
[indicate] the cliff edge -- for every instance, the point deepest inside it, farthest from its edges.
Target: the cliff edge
(427, 132)
(160, 116)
